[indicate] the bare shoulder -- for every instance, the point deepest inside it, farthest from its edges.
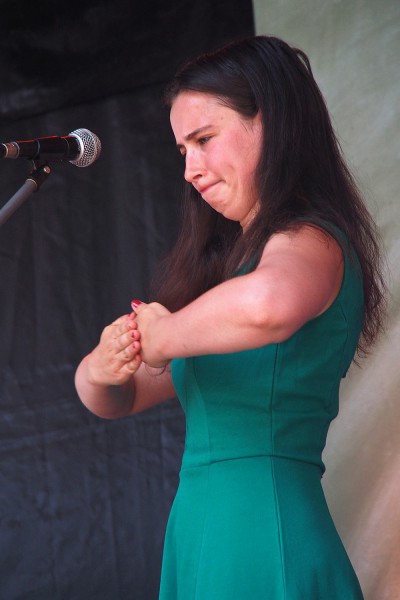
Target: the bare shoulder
(306, 269)
(307, 239)
(307, 247)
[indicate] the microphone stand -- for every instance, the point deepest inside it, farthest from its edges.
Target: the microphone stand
(32, 184)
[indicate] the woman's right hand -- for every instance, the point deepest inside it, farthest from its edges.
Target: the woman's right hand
(117, 356)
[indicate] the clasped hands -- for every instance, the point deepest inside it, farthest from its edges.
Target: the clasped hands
(145, 320)
(126, 343)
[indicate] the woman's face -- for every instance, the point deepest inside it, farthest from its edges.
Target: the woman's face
(221, 150)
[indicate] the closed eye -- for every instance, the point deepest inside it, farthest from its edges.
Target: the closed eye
(204, 140)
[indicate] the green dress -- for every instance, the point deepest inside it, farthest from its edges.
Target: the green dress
(250, 521)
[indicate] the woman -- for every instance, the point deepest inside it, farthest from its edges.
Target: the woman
(272, 287)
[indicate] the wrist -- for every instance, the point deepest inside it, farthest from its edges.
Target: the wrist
(157, 353)
(95, 375)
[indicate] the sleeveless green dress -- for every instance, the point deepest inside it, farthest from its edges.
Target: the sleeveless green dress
(250, 521)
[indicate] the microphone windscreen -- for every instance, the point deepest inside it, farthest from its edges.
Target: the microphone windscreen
(90, 147)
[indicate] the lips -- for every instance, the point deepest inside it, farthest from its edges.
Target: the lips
(205, 188)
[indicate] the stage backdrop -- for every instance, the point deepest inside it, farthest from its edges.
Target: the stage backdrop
(84, 501)
(354, 49)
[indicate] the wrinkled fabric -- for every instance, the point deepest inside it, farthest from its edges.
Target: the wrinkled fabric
(56, 54)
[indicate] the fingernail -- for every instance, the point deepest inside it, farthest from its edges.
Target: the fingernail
(135, 303)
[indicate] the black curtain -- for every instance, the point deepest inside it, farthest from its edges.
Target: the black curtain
(84, 501)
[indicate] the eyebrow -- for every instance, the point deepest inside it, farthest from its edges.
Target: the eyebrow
(193, 134)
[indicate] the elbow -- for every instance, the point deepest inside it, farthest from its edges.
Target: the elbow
(272, 318)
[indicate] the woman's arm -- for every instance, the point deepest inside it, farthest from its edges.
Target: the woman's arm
(298, 278)
(112, 383)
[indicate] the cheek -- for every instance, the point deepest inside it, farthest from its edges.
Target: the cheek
(244, 156)
(245, 173)
(249, 166)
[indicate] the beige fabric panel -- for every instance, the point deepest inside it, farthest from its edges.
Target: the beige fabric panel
(354, 48)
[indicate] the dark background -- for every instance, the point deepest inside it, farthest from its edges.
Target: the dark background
(84, 501)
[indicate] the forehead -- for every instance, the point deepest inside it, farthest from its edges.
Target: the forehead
(192, 110)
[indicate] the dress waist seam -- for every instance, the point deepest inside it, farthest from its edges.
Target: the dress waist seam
(250, 457)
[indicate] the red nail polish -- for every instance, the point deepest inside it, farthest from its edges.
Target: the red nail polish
(135, 303)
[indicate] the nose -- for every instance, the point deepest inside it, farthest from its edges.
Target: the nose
(194, 167)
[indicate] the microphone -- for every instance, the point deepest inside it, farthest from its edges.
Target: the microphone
(81, 147)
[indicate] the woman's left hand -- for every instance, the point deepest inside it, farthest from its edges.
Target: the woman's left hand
(148, 319)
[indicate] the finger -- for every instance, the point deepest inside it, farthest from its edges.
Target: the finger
(127, 361)
(135, 334)
(121, 326)
(132, 366)
(128, 352)
(125, 341)
(136, 304)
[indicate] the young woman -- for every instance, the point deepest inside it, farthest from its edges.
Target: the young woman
(273, 286)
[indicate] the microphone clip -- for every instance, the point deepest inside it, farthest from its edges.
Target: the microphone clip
(40, 172)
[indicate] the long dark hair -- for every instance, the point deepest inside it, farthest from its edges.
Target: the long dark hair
(301, 176)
